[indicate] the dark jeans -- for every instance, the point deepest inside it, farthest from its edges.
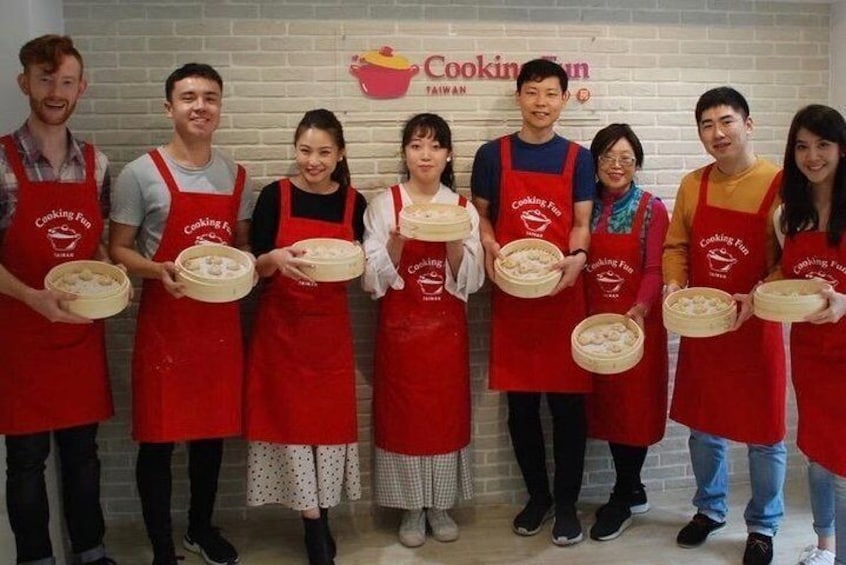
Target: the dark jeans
(26, 493)
(628, 462)
(153, 473)
(569, 430)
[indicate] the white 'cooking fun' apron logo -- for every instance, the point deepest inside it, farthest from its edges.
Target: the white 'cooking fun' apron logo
(721, 252)
(429, 277)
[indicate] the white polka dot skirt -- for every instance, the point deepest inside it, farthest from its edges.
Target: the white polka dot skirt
(410, 482)
(302, 476)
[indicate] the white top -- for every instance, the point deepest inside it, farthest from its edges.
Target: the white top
(380, 274)
(777, 224)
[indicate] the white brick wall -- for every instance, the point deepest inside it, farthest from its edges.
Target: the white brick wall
(649, 60)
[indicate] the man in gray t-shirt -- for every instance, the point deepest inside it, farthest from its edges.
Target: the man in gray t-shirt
(187, 370)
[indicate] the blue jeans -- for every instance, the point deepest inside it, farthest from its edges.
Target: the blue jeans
(767, 466)
(828, 504)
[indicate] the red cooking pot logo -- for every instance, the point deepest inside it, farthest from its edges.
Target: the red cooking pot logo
(720, 260)
(823, 277)
(63, 238)
(431, 283)
(535, 221)
(382, 73)
(210, 237)
(610, 282)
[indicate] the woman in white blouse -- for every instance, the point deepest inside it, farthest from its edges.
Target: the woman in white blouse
(421, 384)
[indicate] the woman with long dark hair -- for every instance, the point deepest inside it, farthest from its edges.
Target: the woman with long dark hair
(811, 224)
(300, 400)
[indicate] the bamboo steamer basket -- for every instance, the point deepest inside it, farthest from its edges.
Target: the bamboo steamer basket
(606, 363)
(205, 288)
(527, 287)
(91, 306)
(435, 221)
(789, 300)
(348, 265)
(699, 325)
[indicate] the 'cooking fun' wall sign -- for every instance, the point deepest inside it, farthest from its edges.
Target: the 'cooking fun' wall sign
(383, 73)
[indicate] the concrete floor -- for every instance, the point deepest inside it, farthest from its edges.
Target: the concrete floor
(274, 536)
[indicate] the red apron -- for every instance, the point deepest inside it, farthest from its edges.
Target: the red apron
(187, 371)
(52, 375)
(421, 382)
(818, 354)
(732, 385)
(530, 338)
(629, 407)
(301, 376)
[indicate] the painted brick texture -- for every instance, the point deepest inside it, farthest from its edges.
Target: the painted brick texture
(647, 63)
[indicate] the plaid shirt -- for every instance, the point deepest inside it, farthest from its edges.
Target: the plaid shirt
(38, 168)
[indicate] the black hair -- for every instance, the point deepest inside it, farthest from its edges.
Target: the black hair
(537, 70)
(431, 125)
(191, 70)
(324, 120)
(799, 213)
(611, 134)
(721, 96)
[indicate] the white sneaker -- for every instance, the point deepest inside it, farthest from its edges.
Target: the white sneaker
(412, 531)
(443, 526)
(812, 555)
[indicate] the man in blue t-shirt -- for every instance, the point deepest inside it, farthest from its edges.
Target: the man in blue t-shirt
(537, 184)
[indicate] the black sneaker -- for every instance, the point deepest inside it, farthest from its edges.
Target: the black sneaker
(697, 531)
(213, 547)
(638, 502)
(566, 530)
(531, 519)
(102, 561)
(759, 550)
(611, 520)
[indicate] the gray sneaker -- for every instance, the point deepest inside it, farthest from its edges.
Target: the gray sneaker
(443, 526)
(412, 531)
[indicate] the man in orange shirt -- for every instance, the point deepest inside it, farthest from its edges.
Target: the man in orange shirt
(721, 236)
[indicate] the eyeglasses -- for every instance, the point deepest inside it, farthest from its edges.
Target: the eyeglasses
(624, 161)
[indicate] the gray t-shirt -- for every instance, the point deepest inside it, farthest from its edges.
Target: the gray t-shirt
(140, 196)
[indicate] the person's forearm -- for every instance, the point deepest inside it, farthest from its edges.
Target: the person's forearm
(10, 285)
(579, 238)
(486, 230)
(135, 263)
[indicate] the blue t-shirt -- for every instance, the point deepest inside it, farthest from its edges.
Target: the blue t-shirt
(542, 158)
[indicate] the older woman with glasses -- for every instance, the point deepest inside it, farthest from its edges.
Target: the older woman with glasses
(627, 410)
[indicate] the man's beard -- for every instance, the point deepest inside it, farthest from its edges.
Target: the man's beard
(51, 116)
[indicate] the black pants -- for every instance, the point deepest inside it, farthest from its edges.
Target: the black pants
(569, 430)
(26, 492)
(153, 474)
(628, 462)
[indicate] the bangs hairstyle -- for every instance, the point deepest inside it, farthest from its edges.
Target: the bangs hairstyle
(721, 96)
(537, 70)
(799, 213)
(430, 126)
(48, 50)
(324, 120)
(611, 134)
(188, 70)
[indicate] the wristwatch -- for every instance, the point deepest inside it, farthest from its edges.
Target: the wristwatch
(574, 252)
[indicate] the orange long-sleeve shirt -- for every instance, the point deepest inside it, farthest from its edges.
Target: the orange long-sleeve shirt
(742, 192)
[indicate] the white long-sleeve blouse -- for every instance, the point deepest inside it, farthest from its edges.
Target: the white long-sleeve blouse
(380, 274)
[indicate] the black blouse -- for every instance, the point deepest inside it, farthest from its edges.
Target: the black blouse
(325, 207)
